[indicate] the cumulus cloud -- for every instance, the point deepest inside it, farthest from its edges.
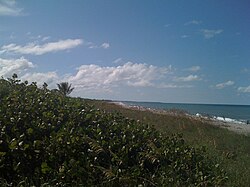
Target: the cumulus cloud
(130, 74)
(22, 67)
(10, 66)
(193, 22)
(36, 49)
(98, 79)
(194, 68)
(210, 33)
(244, 89)
(9, 8)
(51, 78)
(224, 84)
(187, 78)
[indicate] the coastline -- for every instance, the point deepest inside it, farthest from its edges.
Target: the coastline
(231, 125)
(240, 128)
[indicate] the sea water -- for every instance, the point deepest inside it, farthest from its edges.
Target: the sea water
(231, 113)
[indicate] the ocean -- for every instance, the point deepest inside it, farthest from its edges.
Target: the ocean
(234, 113)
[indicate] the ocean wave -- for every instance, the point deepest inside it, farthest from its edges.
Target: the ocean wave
(119, 103)
(230, 120)
(224, 119)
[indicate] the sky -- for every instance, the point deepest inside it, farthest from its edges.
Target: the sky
(172, 51)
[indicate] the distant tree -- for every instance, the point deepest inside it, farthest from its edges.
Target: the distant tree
(65, 88)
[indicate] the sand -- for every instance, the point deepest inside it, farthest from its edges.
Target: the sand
(240, 128)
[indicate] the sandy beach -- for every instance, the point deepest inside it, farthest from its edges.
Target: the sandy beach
(241, 128)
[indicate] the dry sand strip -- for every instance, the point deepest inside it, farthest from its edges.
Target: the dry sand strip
(240, 128)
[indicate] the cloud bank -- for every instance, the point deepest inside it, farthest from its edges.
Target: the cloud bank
(99, 79)
(129, 74)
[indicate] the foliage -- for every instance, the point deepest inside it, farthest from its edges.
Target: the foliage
(48, 139)
(230, 149)
(65, 88)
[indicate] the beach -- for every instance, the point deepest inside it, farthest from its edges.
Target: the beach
(241, 128)
(235, 126)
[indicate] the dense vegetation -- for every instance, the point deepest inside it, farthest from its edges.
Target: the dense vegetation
(47, 139)
(230, 149)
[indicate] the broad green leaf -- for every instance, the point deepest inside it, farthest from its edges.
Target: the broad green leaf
(13, 144)
(45, 168)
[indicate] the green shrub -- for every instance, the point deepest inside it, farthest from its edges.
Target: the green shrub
(48, 139)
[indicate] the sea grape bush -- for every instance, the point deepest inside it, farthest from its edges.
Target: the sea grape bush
(47, 139)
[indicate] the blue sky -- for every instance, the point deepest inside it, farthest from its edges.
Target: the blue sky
(144, 50)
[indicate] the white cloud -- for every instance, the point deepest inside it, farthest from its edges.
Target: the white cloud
(94, 77)
(10, 66)
(92, 45)
(36, 49)
(173, 86)
(9, 8)
(193, 22)
(194, 68)
(22, 67)
(105, 45)
(210, 33)
(187, 78)
(51, 78)
(244, 89)
(224, 84)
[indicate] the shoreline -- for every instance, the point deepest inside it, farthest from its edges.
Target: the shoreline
(237, 127)
(240, 128)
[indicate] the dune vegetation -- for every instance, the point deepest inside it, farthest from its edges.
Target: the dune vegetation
(228, 148)
(49, 139)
